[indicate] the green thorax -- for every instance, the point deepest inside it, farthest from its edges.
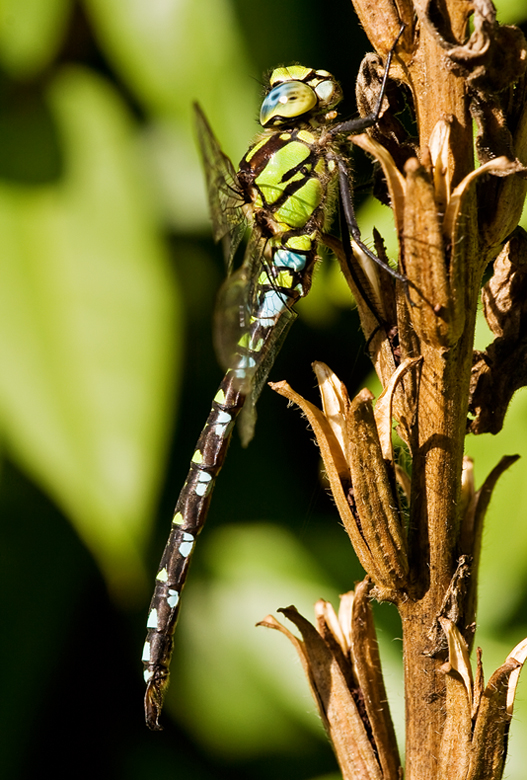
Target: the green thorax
(287, 178)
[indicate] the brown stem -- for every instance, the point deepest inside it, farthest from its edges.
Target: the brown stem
(435, 493)
(443, 253)
(420, 336)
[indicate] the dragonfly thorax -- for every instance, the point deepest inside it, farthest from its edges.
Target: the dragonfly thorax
(285, 177)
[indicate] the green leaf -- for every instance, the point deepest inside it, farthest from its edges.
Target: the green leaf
(504, 551)
(31, 32)
(87, 324)
(511, 11)
(170, 55)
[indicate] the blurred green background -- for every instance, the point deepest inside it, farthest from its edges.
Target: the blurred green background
(107, 281)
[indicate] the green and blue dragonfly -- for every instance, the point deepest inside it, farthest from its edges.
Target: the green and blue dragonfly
(284, 191)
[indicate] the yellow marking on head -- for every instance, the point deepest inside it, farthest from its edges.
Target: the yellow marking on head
(197, 457)
(291, 73)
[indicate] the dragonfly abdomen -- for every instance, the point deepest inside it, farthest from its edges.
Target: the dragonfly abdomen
(188, 520)
(279, 285)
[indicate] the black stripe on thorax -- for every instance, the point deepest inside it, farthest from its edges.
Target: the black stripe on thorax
(275, 142)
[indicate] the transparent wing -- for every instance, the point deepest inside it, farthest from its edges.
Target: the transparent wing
(237, 301)
(237, 304)
(230, 317)
(225, 196)
(273, 345)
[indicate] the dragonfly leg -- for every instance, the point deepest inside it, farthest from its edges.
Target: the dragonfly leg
(355, 126)
(346, 196)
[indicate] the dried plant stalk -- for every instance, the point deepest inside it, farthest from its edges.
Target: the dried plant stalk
(452, 219)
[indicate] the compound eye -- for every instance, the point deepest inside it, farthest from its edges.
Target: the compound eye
(287, 101)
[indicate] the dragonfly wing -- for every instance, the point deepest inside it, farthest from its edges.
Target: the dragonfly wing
(230, 317)
(236, 303)
(225, 195)
(273, 345)
(239, 302)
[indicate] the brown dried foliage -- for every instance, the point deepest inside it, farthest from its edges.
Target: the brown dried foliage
(418, 537)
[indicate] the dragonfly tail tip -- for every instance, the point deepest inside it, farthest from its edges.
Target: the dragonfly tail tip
(153, 705)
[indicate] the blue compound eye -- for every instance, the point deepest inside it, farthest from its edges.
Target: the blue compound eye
(287, 101)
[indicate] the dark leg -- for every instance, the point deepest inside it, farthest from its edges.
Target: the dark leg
(348, 253)
(346, 197)
(354, 126)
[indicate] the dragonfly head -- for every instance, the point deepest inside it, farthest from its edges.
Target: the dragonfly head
(298, 92)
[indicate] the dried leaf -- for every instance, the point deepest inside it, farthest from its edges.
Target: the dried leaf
(468, 491)
(339, 712)
(495, 55)
(384, 408)
(502, 368)
(491, 729)
(325, 614)
(452, 608)
(382, 22)
(335, 404)
(458, 655)
(518, 654)
(440, 155)
(435, 315)
(380, 523)
(345, 616)
(457, 733)
(367, 666)
(500, 166)
(328, 447)
(479, 683)
(271, 622)
(394, 179)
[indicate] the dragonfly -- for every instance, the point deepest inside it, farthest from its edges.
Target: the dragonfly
(284, 191)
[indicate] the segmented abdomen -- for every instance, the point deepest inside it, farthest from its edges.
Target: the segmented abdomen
(189, 517)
